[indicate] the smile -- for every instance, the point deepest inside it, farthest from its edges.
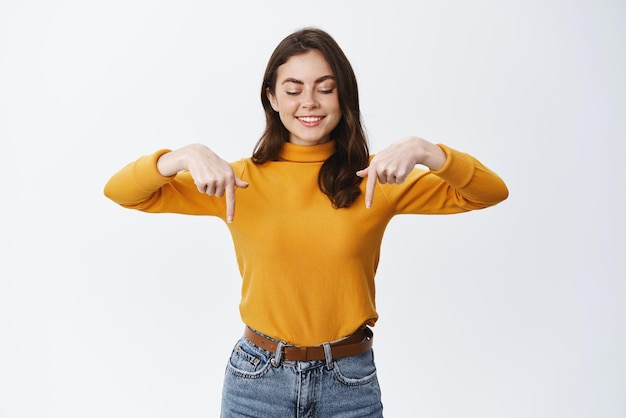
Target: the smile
(310, 120)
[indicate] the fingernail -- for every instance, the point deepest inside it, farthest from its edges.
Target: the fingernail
(229, 219)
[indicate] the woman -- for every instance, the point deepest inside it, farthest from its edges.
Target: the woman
(311, 209)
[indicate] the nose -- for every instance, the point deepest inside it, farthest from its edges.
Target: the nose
(309, 101)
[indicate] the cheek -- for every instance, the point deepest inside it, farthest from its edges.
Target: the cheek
(333, 104)
(335, 108)
(286, 105)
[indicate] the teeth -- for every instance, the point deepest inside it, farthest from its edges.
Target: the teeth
(310, 119)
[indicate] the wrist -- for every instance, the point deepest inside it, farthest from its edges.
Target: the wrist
(171, 163)
(429, 154)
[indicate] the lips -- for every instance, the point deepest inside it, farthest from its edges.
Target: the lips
(310, 121)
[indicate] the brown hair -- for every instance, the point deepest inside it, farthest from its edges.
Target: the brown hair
(337, 178)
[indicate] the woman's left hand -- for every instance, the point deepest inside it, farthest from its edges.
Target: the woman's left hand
(394, 163)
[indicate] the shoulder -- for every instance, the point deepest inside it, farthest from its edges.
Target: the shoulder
(242, 166)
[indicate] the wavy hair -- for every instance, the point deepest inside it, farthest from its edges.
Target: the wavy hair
(336, 178)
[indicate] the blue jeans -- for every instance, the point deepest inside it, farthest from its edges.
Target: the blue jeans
(257, 384)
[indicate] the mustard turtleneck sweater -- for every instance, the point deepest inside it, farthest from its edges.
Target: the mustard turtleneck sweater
(308, 269)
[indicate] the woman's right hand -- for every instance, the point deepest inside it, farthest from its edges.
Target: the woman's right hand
(211, 174)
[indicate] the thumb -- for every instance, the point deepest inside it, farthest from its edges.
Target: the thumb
(363, 173)
(240, 183)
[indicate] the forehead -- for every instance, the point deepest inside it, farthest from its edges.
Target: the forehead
(308, 66)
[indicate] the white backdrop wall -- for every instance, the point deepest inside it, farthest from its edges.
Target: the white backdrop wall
(516, 311)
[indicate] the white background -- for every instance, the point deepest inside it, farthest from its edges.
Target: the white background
(515, 311)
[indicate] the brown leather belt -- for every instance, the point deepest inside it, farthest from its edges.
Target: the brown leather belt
(357, 343)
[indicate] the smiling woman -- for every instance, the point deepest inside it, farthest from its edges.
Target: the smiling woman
(306, 99)
(307, 233)
(336, 177)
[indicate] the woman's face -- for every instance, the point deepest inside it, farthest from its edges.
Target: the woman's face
(306, 98)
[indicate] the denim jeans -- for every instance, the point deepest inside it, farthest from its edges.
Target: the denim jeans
(257, 384)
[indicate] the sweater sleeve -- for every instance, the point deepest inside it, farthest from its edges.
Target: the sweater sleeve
(462, 184)
(140, 185)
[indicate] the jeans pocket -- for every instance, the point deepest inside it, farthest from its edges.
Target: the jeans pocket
(356, 370)
(247, 360)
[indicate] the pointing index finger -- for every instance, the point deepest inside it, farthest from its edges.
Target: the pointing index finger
(372, 175)
(230, 201)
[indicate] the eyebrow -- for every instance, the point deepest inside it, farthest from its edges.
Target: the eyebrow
(319, 80)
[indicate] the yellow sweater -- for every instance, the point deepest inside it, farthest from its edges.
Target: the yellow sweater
(308, 269)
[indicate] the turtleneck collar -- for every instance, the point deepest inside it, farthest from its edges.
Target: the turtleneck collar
(307, 153)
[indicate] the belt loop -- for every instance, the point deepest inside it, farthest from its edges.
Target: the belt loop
(329, 356)
(278, 356)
